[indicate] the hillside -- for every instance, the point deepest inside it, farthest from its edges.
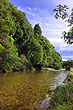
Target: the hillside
(21, 46)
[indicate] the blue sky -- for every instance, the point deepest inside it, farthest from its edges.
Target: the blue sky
(41, 11)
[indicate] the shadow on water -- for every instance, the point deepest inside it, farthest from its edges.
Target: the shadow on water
(28, 90)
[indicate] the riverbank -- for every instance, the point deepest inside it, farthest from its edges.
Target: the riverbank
(62, 96)
(48, 69)
(24, 68)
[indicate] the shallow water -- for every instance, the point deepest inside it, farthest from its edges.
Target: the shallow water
(28, 90)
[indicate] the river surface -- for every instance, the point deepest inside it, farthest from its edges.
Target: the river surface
(28, 90)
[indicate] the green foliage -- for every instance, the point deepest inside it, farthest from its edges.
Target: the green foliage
(24, 60)
(62, 94)
(9, 56)
(51, 58)
(48, 69)
(65, 106)
(61, 12)
(37, 29)
(68, 36)
(57, 63)
(18, 38)
(69, 77)
(34, 51)
(67, 64)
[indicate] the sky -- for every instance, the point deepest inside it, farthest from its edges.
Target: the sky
(41, 11)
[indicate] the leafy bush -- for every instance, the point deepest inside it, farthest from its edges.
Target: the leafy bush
(62, 94)
(67, 64)
(65, 106)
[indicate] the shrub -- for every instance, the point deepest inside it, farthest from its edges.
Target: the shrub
(62, 94)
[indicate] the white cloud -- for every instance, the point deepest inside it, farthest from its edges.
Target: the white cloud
(69, 3)
(35, 9)
(51, 28)
(55, 41)
(66, 48)
(65, 58)
(28, 8)
(19, 8)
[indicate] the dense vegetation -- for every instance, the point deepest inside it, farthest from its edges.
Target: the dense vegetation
(68, 64)
(62, 96)
(21, 46)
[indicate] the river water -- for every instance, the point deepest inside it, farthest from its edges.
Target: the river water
(28, 90)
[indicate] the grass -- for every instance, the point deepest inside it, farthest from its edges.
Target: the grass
(65, 106)
(48, 68)
(62, 97)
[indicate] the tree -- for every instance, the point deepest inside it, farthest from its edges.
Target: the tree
(67, 64)
(51, 58)
(37, 29)
(20, 44)
(34, 51)
(61, 12)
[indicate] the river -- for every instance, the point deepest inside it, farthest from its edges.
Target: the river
(28, 90)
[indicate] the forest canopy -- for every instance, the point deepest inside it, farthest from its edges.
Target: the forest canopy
(22, 46)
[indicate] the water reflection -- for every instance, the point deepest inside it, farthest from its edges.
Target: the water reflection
(23, 90)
